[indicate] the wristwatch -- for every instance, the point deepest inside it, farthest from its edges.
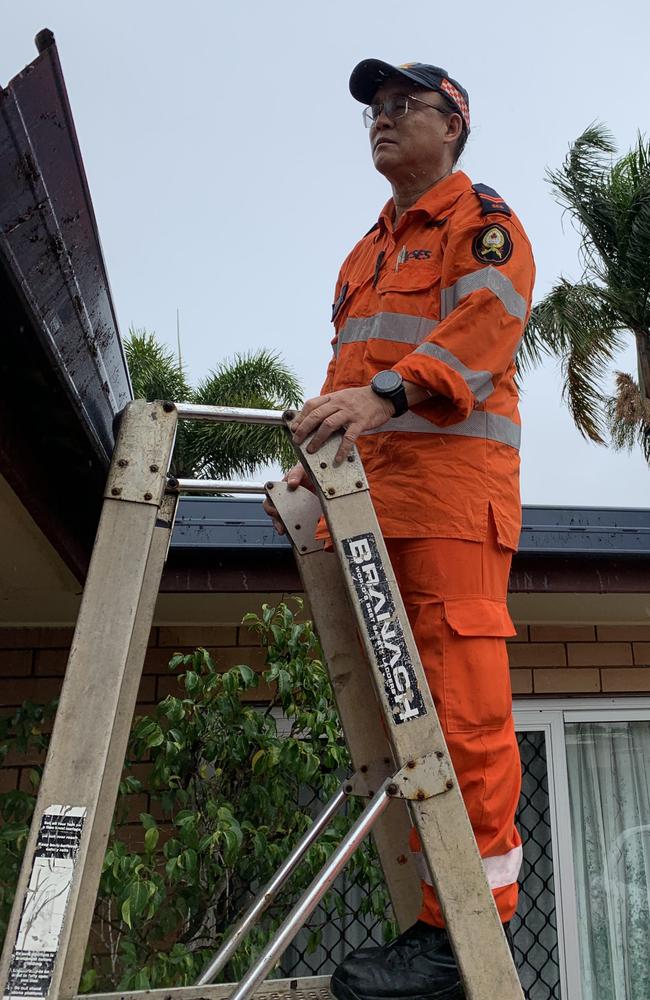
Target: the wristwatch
(389, 385)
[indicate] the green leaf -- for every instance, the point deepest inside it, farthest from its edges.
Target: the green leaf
(151, 839)
(126, 911)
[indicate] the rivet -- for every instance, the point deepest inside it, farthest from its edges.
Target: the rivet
(153, 468)
(123, 463)
(439, 754)
(348, 789)
(116, 491)
(410, 763)
(350, 458)
(303, 548)
(363, 768)
(168, 407)
(296, 527)
(420, 796)
(401, 860)
(323, 465)
(449, 784)
(358, 484)
(148, 496)
(392, 789)
(331, 491)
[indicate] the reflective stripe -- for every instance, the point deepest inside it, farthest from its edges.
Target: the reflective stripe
(487, 277)
(491, 426)
(398, 327)
(500, 871)
(480, 383)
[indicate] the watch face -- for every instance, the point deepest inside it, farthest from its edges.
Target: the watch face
(387, 381)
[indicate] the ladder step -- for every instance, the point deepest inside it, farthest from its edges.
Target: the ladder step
(306, 988)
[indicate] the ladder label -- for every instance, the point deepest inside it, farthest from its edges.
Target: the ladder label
(46, 899)
(383, 628)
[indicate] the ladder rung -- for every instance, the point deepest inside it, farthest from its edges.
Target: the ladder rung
(307, 988)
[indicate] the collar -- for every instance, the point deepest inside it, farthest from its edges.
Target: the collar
(434, 202)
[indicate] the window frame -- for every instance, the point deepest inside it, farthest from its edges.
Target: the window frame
(550, 716)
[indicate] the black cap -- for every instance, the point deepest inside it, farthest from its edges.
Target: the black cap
(370, 74)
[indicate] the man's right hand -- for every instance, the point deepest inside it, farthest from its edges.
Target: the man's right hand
(295, 477)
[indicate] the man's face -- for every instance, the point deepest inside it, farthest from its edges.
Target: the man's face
(410, 148)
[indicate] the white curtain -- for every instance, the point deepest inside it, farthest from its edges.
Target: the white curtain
(609, 784)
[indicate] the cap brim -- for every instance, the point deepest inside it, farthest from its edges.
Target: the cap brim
(368, 76)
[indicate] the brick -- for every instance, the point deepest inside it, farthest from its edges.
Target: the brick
(522, 634)
(35, 638)
(522, 681)
(16, 662)
(147, 690)
(599, 654)
(626, 678)
(28, 759)
(9, 777)
(156, 661)
(566, 681)
(543, 654)
(50, 662)
(39, 689)
(252, 656)
(185, 639)
(562, 633)
(624, 633)
(641, 652)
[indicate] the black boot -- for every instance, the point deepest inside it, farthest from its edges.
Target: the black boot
(418, 965)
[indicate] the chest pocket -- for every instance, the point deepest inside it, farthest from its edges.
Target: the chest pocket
(408, 304)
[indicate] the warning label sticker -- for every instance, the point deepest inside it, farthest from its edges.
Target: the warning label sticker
(384, 628)
(46, 899)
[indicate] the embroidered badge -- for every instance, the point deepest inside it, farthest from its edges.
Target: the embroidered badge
(492, 245)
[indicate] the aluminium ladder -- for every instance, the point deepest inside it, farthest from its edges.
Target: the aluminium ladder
(395, 739)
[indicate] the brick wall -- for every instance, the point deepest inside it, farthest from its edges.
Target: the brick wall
(32, 664)
(544, 659)
(580, 659)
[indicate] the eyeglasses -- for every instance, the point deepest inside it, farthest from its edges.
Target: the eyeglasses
(395, 107)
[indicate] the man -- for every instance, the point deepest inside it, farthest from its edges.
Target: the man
(429, 311)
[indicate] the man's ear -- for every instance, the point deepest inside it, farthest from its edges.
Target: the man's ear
(454, 127)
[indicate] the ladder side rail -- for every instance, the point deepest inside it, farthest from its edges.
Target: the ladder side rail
(51, 916)
(353, 688)
(413, 727)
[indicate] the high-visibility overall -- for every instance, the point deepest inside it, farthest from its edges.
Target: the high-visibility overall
(442, 297)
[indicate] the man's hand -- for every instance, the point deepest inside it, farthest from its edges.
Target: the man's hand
(354, 410)
(295, 477)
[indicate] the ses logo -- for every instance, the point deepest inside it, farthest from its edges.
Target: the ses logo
(383, 627)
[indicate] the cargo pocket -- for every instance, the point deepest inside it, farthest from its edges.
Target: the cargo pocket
(475, 663)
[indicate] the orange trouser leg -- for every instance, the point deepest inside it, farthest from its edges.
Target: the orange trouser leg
(469, 680)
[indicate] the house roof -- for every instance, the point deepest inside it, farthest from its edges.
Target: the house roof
(240, 523)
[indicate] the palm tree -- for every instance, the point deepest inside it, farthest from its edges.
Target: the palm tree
(588, 322)
(258, 379)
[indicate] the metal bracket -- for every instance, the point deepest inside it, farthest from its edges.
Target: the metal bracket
(333, 480)
(300, 511)
(134, 476)
(368, 778)
(418, 780)
(423, 777)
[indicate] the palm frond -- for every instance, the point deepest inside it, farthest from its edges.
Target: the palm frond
(580, 187)
(155, 372)
(628, 416)
(260, 380)
(576, 324)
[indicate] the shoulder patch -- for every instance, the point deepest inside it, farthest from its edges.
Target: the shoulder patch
(371, 230)
(490, 200)
(492, 245)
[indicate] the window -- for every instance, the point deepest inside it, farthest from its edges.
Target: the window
(582, 926)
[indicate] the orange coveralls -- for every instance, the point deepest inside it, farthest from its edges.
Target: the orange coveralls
(442, 297)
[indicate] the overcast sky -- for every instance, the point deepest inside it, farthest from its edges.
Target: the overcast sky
(230, 170)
